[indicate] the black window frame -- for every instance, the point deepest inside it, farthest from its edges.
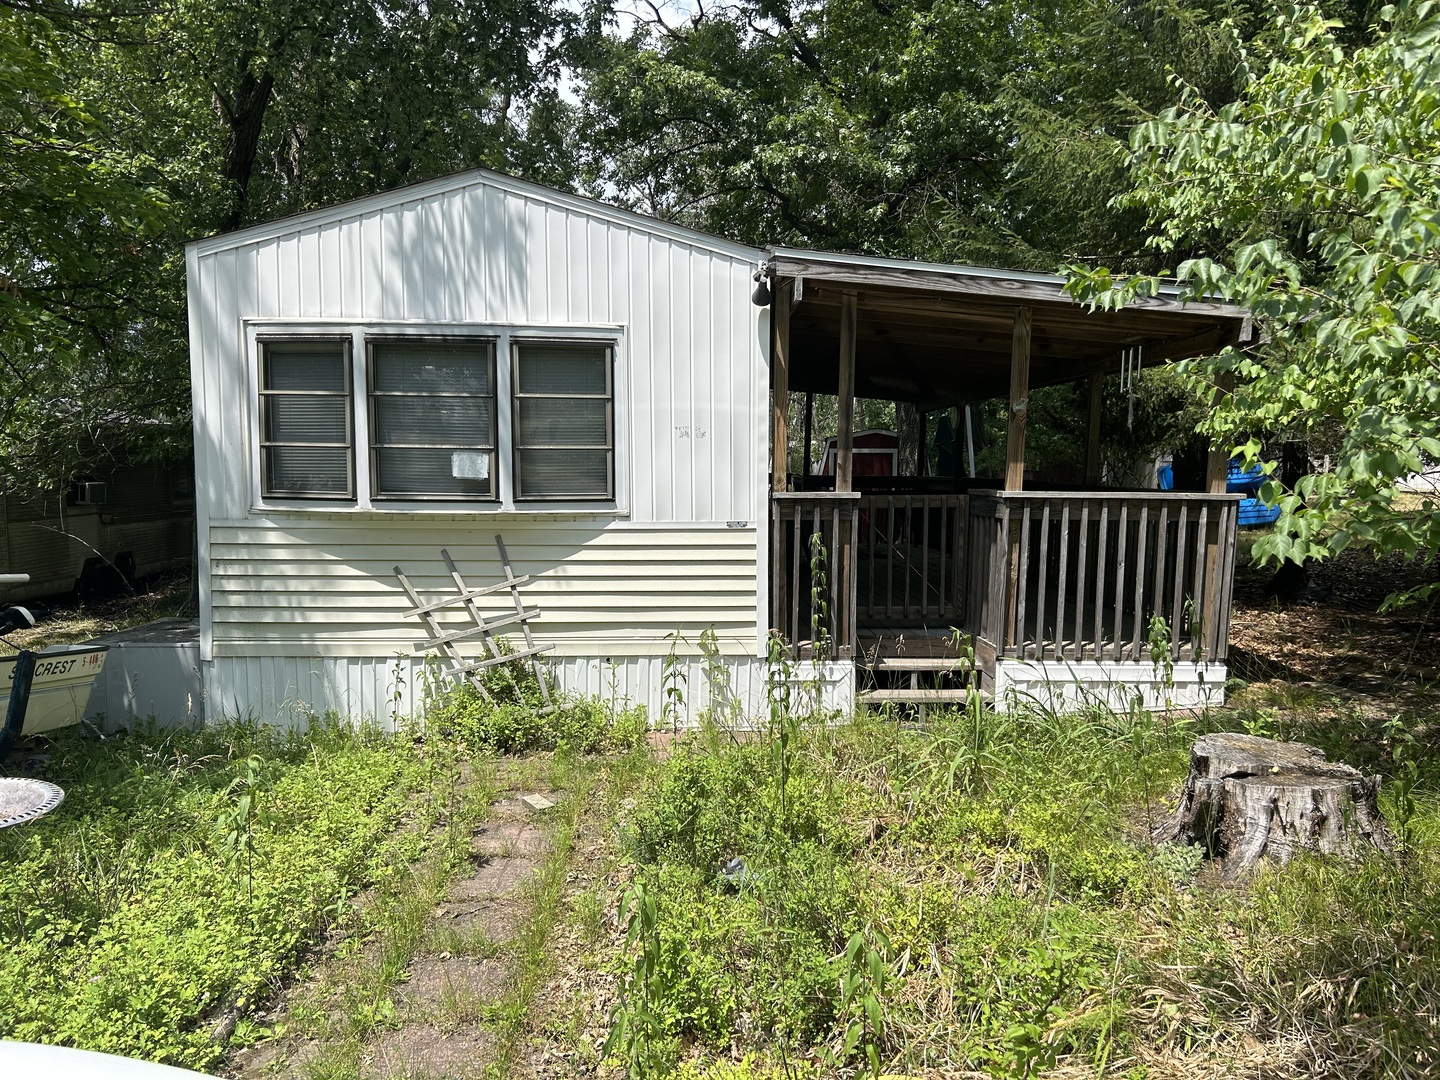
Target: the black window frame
(518, 343)
(492, 345)
(264, 344)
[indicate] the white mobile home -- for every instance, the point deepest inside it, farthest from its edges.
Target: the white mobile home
(477, 355)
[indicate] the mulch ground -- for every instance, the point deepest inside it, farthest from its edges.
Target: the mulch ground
(1335, 636)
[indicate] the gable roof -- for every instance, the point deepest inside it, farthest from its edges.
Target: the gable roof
(458, 181)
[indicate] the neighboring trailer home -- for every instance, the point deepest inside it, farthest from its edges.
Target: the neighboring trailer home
(477, 355)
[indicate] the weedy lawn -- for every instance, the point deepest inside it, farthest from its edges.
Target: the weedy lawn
(185, 872)
(980, 897)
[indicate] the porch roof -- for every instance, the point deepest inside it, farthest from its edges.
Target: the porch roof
(941, 335)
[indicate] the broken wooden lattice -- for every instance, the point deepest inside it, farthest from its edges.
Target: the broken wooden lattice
(483, 628)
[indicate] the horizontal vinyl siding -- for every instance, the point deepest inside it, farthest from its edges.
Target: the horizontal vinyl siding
(327, 589)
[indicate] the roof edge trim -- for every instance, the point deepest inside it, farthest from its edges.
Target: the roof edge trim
(425, 189)
(1017, 286)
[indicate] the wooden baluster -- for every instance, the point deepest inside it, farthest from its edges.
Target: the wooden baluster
(1142, 542)
(1102, 541)
(795, 577)
(1022, 575)
(924, 557)
(1043, 584)
(1179, 583)
(1162, 550)
(889, 556)
(1000, 584)
(1195, 645)
(1064, 579)
(1118, 649)
(1081, 575)
(870, 503)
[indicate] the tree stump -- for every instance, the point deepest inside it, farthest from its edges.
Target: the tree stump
(1248, 798)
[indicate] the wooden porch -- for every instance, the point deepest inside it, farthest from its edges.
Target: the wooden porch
(936, 580)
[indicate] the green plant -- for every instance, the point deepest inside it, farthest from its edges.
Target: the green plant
(673, 679)
(638, 1037)
(862, 987)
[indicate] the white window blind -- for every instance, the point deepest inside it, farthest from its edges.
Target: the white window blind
(432, 419)
(306, 444)
(564, 421)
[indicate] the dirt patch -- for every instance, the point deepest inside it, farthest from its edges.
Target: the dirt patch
(435, 983)
(427, 1052)
(1337, 637)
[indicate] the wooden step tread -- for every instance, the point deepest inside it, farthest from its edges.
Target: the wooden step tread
(917, 663)
(915, 695)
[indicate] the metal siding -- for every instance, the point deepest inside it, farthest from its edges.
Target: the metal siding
(692, 359)
(292, 691)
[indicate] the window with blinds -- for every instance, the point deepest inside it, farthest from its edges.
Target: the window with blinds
(306, 441)
(432, 419)
(564, 421)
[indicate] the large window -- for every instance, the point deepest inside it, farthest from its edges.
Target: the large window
(564, 421)
(432, 419)
(306, 442)
(390, 415)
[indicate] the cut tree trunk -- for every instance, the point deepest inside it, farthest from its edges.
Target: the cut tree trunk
(1248, 798)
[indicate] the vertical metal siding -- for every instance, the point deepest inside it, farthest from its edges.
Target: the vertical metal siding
(694, 360)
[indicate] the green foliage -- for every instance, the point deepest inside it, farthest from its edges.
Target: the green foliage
(1313, 200)
(514, 719)
(927, 128)
(137, 910)
(980, 895)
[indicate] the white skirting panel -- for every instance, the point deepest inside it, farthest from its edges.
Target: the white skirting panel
(1116, 685)
(290, 690)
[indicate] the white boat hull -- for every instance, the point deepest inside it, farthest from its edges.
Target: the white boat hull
(60, 688)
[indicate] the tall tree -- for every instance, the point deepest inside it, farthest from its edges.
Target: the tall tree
(130, 126)
(1317, 197)
(930, 128)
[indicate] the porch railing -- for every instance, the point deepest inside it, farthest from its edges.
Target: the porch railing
(911, 560)
(1101, 575)
(814, 537)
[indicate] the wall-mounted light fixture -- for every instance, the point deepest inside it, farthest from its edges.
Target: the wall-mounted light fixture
(761, 297)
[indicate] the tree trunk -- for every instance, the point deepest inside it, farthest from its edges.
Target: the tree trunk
(246, 117)
(1248, 798)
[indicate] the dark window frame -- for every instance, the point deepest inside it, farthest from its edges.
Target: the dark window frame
(517, 344)
(263, 343)
(492, 347)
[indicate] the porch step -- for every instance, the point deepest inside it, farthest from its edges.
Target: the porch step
(917, 663)
(916, 696)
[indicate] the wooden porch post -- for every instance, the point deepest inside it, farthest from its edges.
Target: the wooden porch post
(1019, 402)
(780, 433)
(1217, 465)
(1217, 469)
(809, 432)
(1092, 433)
(845, 429)
(1015, 459)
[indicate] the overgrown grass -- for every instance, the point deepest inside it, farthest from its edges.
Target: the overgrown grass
(983, 895)
(186, 871)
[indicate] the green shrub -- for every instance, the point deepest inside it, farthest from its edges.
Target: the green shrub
(515, 719)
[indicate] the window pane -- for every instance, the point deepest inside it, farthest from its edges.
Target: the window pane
(581, 473)
(431, 472)
(563, 422)
(303, 419)
(432, 367)
(564, 369)
(306, 470)
(299, 365)
(425, 420)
